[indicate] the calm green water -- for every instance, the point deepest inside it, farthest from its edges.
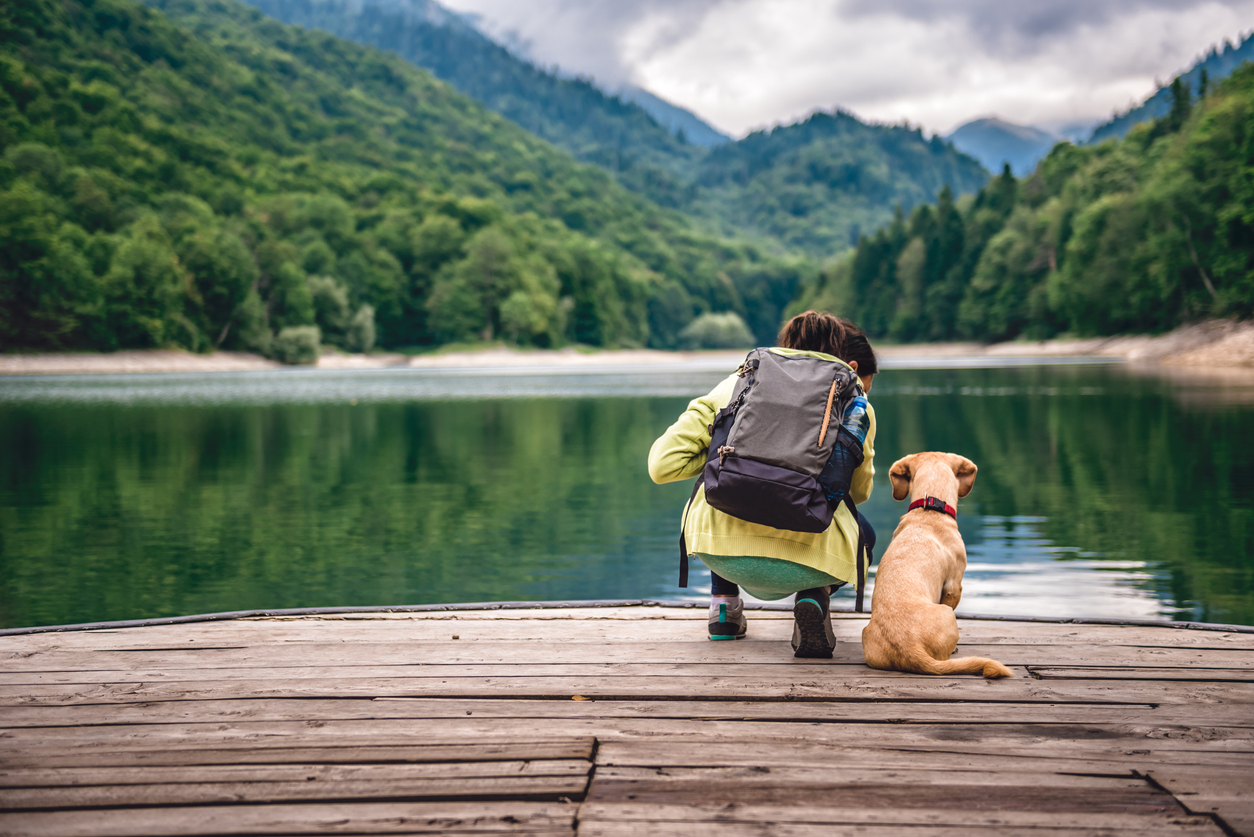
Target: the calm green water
(1101, 493)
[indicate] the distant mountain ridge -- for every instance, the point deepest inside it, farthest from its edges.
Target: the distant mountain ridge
(819, 184)
(1217, 63)
(817, 200)
(995, 142)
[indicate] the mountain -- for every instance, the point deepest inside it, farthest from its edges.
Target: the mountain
(695, 130)
(1135, 235)
(814, 186)
(199, 175)
(818, 185)
(1216, 64)
(995, 142)
(573, 114)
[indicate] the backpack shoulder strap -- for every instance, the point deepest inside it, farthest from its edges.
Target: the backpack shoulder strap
(864, 556)
(683, 539)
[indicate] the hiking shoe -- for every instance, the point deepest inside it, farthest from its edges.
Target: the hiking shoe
(728, 622)
(812, 634)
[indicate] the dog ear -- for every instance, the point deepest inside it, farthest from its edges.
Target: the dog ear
(899, 476)
(965, 471)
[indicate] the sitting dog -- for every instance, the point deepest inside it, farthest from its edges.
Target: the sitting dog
(919, 581)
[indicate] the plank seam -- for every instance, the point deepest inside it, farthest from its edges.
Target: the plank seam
(1219, 822)
(587, 788)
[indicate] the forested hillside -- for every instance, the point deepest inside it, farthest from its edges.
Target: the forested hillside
(818, 184)
(233, 182)
(572, 113)
(809, 187)
(1137, 235)
(1216, 65)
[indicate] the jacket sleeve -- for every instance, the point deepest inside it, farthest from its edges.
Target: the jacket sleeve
(860, 489)
(680, 452)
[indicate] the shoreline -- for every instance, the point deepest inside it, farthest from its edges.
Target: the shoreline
(1217, 346)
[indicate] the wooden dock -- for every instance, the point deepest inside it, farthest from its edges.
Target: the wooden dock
(617, 721)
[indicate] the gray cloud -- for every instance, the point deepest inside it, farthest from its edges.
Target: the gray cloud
(1014, 25)
(585, 36)
(747, 63)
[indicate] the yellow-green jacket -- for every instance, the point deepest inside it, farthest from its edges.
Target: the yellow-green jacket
(680, 453)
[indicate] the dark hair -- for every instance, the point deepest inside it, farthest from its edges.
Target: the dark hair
(836, 336)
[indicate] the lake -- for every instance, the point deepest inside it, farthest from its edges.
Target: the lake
(1102, 491)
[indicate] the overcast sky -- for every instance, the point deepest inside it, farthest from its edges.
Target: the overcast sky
(745, 64)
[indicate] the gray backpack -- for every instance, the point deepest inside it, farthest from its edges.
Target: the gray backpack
(783, 451)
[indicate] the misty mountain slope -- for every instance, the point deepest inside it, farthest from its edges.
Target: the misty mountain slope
(572, 113)
(818, 185)
(695, 130)
(1217, 63)
(995, 142)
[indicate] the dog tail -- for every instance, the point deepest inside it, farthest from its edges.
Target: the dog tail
(991, 669)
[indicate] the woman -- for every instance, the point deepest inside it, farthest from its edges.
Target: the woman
(774, 563)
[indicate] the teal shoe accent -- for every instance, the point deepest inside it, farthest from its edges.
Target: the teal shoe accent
(727, 621)
(715, 638)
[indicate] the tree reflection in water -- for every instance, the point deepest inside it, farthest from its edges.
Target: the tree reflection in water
(1100, 493)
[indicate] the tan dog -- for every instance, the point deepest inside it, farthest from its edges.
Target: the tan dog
(919, 581)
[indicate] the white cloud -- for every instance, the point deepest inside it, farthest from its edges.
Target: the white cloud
(742, 64)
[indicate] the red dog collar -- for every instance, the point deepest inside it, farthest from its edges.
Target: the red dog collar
(934, 504)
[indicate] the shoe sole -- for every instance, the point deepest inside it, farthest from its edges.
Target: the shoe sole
(812, 625)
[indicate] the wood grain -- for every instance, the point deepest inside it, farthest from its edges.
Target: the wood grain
(617, 721)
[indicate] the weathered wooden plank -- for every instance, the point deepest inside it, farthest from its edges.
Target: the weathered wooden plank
(340, 743)
(326, 773)
(1228, 794)
(816, 778)
(1129, 672)
(309, 789)
(654, 653)
(534, 818)
(772, 828)
(679, 673)
(860, 754)
(388, 710)
(715, 790)
(892, 790)
(483, 734)
(124, 750)
(801, 684)
(483, 626)
(1038, 810)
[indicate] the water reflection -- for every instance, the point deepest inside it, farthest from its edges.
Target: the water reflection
(1101, 492)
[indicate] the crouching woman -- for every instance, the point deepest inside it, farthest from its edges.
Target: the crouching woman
(774, 563)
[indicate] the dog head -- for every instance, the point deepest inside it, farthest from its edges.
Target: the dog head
(932, 466)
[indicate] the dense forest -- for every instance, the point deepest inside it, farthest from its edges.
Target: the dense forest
(1137, 235)
(809, 188)
(572, 113)
(196, 174)
(238, 183)
(817, 185)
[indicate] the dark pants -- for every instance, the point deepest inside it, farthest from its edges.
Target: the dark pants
(720, 586)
